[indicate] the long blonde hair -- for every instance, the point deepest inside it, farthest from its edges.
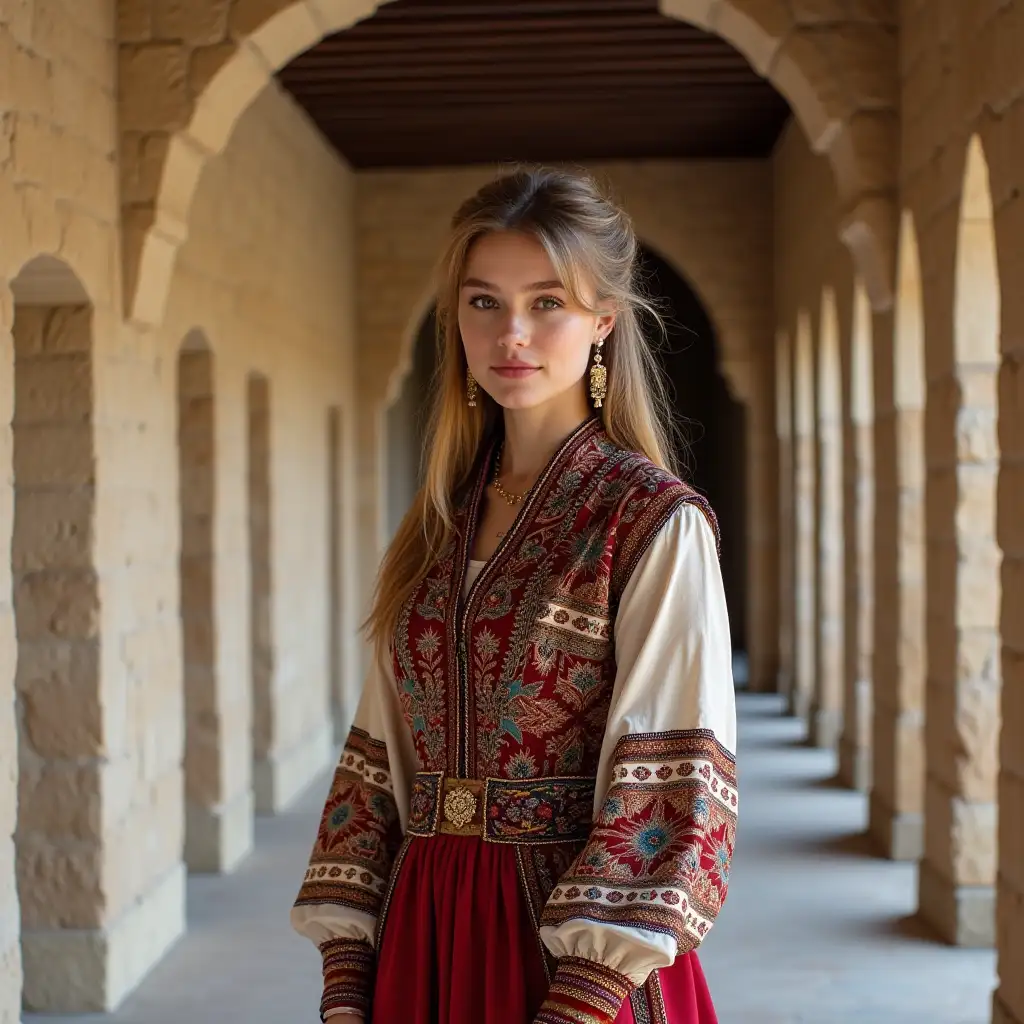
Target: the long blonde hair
(588, 240)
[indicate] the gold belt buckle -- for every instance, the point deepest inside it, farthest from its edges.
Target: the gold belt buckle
(461, 801)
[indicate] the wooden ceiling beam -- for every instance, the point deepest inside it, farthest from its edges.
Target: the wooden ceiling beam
(607, 53)
(507, 9)
(373, 46)
(566, 66)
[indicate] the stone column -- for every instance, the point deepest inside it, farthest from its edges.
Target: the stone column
(1009, 998)
(10, 947)
(826, 707)
(787, 554)
(804, 506)
(218, 812)
(858, 533)
(59, 840)
(335, 570)
(261, 586)
(957, 873)
(762, 527)
(896, 804)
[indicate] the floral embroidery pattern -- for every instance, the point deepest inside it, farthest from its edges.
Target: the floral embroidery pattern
(359, 831)
(424, 801)
(658, 856)
(551, 810)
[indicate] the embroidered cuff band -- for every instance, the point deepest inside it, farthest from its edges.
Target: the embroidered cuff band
(348, 975)
(584, 992)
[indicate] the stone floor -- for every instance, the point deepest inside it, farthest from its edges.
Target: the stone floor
(816, 931)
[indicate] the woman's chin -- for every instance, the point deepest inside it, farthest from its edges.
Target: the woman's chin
(517, 396)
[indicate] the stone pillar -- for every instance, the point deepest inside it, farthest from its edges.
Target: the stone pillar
(958, 870)
(10, 947)
(60, 848)
(787, 554)
(804, 506)
(826, 708)
(1008, 1002)
(762, 529)
(858, 533)
(896, 806)
(335, 573)
(218, 818)
(261, 625)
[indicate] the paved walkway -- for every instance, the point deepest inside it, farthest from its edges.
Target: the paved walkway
(815, 931)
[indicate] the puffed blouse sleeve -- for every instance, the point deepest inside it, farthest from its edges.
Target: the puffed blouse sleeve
(360, 831)
(655, 870)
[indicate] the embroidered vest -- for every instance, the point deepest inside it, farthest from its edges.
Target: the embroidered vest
(515, 680)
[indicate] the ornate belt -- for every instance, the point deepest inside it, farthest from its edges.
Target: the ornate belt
(551, 810)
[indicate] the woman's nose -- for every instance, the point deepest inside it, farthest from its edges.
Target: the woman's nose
(513, 331)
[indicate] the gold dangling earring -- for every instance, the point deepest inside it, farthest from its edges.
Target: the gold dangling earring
(598, 377)
(471, 388)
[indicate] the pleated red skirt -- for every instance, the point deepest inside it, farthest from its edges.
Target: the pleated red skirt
(458, 945)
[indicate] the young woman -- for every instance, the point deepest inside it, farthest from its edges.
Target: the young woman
(534, 815)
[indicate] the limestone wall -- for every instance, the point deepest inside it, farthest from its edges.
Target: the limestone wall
(97, 724)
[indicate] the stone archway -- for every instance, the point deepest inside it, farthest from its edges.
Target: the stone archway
(817, 58)
(187, 73)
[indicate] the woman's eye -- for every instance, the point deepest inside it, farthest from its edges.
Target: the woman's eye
(482, 302)
(549, 302)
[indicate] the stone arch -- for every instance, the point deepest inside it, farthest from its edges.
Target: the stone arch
(805, 476)
(261, 588)
(958, 871)
(898, 665)
(187, 74)
(61, 729)
(826, 708)
(819, 62)
(858, 532)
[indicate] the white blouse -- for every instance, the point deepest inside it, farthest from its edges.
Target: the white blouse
(673, 655)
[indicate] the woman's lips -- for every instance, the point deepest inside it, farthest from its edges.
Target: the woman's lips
(515, 372)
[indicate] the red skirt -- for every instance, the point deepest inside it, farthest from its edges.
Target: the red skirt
(459, 947)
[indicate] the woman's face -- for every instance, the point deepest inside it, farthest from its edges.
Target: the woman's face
(526, 344)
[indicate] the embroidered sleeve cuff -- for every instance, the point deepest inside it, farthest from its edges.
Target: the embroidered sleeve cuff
(348, 976)
(584, 992)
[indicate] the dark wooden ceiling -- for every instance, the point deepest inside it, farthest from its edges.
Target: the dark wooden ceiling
(448, 82)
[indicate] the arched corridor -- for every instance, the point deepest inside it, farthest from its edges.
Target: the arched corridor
(219, 226)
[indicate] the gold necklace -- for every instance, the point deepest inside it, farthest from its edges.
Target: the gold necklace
(512, 499)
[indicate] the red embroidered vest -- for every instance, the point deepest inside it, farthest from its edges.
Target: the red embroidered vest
(515, 680)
